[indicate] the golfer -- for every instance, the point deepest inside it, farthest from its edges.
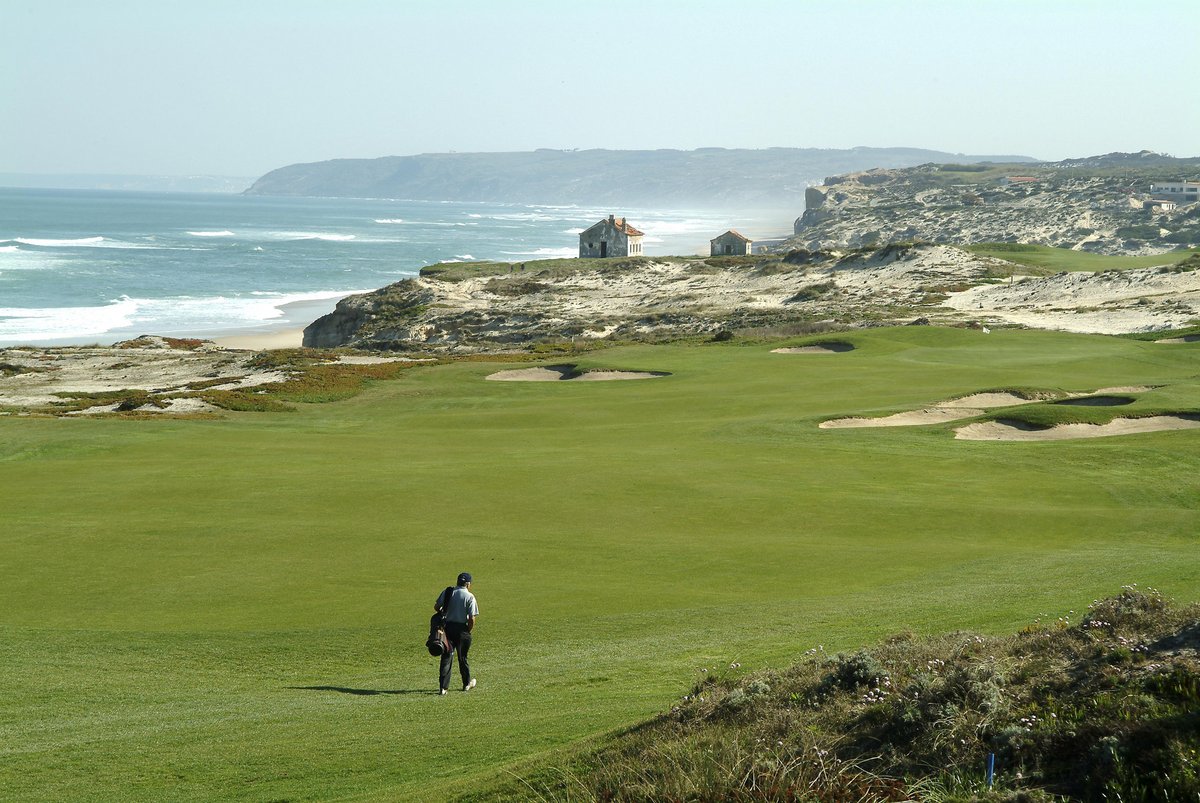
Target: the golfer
(460, 611)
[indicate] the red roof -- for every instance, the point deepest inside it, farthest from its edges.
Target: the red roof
(620, 225)
(735, 233)
(625, 228)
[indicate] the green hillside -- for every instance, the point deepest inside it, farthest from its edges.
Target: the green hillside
(234, 609)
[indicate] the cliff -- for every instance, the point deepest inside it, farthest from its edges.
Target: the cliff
(497, 306)
(708, 177)
(1093, 204)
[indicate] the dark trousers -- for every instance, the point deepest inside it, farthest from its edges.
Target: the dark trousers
(460, 640)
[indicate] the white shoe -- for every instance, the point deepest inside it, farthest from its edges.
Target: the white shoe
(443, 691)
(470, 685)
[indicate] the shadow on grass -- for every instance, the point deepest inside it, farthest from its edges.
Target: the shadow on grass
(345, 690)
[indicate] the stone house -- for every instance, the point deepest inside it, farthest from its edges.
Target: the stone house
(610, 238)
(731, 242)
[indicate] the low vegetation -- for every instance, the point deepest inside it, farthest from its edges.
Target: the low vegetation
(1103, 705)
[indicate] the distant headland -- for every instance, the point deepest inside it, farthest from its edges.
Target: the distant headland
(705, 177)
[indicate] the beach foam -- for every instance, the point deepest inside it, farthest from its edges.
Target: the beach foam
(545, 252)
(134, 316)
(315, 235)
(47, 243)
(211, 233)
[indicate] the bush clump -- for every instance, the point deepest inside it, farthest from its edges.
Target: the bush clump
(1102, 709)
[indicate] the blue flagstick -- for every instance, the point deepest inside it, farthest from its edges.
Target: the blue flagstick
(991, 773)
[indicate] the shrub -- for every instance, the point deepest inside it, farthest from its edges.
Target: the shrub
(812, 292)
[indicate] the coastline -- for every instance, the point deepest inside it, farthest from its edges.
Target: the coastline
(284, 332)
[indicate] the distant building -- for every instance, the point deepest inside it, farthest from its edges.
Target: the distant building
(731, 242)
(1184, 192)
(1159, 205)
(610, 238)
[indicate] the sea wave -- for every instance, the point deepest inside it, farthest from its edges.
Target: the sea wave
(389, 220)
(222, 233)
(46, 243)
(546, 252)
(9, 249)
(20, 325)
(79, 242)
(314, 235)
(182, 315)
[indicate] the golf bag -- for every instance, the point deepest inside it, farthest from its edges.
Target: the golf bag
(438, 643)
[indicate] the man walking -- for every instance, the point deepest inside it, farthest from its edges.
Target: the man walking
(459, 607)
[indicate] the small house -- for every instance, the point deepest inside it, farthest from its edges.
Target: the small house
(1184, 192)
(610, 238)
(731, 242)
(1157, 205)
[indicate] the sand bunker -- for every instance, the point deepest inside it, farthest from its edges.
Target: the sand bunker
(940, 413)
(1125, 389)
(1005, 430)
(985, 400)
(567, 373)
(833, 347)
(930, 415)
(352, 359)
(1184, 339)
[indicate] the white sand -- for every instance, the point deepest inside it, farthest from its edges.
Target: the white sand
(940, 413)
(930, 415)
(997, 431)
(560, 373)
(354, 359)
(549, 373)
(606, 376)
(285, 339)
(985, 400)
(1119, 389)
(815, 349)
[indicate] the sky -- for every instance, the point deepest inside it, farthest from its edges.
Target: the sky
(213, 87)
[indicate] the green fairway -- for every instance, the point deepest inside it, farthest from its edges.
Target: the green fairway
(236, 608)
(1043, 260)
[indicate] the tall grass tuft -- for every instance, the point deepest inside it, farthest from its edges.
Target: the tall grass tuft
(1103, 706)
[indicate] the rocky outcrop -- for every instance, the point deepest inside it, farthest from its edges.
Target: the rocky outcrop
(1093, 205)
(477, 307)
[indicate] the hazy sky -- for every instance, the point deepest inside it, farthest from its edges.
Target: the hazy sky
(239, 88)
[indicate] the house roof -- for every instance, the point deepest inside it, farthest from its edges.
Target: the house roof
(735, 233)
(620, 224)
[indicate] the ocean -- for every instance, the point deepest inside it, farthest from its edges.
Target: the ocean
(94, 266)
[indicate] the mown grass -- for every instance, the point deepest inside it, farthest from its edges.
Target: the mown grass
(1044, 260)
(234, 609)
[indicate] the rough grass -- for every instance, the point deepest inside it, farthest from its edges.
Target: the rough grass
(1103, 705)
(1044, 260)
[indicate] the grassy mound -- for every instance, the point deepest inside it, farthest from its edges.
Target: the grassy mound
(1103, 709)
(1044, 260)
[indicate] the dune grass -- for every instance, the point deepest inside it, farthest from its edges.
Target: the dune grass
(234, 609)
